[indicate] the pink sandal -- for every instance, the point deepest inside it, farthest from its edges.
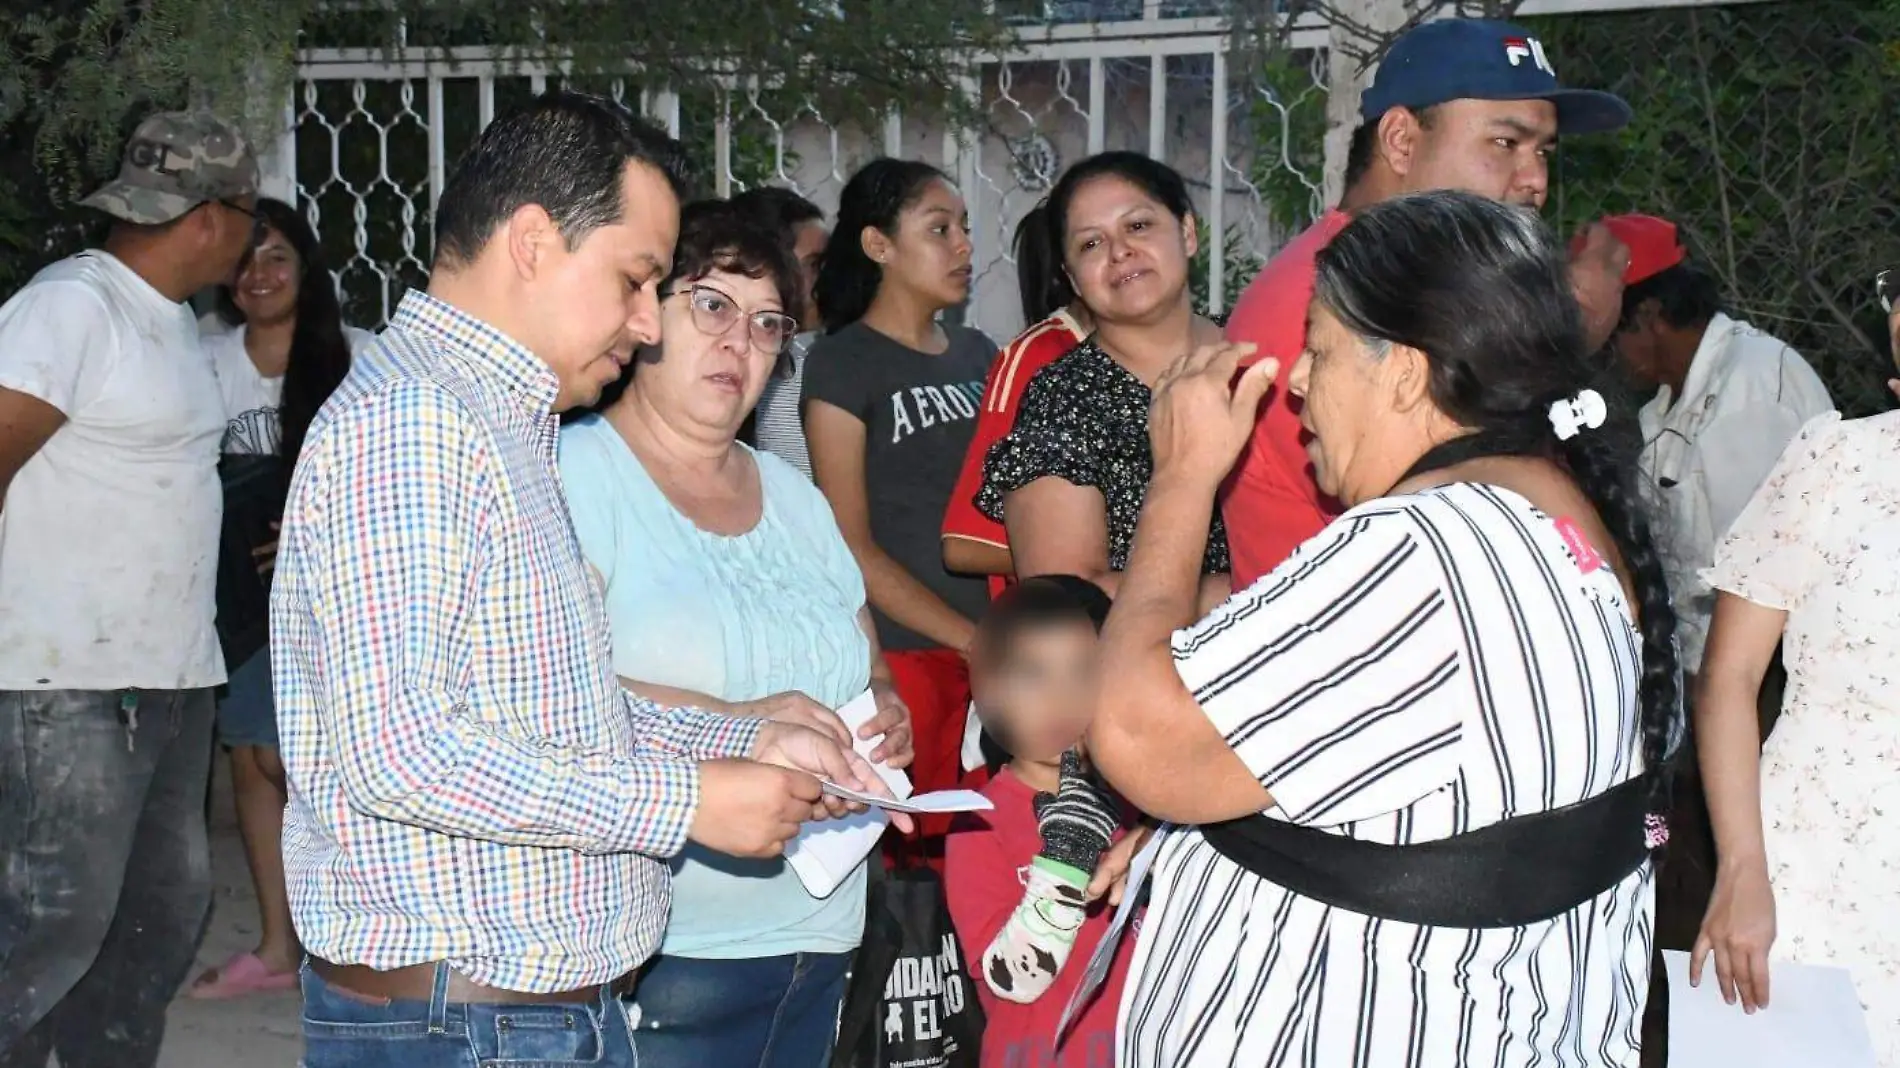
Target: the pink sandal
(241, 976)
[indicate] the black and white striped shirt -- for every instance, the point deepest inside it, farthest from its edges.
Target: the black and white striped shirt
(1425, 666)
(780, 425)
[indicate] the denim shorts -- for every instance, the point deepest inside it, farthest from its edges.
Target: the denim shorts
(248, 713)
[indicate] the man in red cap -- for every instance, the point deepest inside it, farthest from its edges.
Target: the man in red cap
(1729, 399)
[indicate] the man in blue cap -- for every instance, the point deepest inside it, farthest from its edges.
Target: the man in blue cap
(1473, 104)
(1467, 104)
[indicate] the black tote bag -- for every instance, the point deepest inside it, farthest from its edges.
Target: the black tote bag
(911, 1002)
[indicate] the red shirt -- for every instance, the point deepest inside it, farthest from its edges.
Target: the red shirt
(985, 853)
(1270, 501)
(1035, 348)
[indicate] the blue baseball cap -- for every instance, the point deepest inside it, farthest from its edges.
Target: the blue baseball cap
(1483, 59)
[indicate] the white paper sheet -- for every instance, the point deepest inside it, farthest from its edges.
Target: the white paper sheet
(940, 801)
(1813, 1018)
(1097, 971)
(827, 851)
(972, 739)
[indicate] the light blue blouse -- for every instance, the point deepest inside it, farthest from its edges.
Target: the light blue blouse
(744, 617)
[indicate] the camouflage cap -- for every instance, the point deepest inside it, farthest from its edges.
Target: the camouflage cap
(175, 161)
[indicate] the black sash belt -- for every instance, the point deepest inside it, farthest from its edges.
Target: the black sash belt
(1510, 874)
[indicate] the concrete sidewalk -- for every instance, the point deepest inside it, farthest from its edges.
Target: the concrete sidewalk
(253, 1032)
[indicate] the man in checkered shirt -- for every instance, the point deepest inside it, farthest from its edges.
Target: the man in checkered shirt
(479, 814)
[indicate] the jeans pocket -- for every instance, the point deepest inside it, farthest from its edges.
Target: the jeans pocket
(541, 1036)
(335, 1014)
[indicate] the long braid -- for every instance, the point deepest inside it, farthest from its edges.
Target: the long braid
(1604, 477)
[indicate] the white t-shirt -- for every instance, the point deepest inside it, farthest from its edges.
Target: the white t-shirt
(251, 400)
(109, 534)
(1707, 452)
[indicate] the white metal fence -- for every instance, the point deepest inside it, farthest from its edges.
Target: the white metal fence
(370, 139)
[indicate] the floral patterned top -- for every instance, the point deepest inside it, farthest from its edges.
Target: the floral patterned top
(1821, 541)
(1084, 419)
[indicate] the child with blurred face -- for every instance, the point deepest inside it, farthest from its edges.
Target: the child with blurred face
(1032, 673)
(1016, 877)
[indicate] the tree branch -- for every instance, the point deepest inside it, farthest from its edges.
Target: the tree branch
(1716, 145)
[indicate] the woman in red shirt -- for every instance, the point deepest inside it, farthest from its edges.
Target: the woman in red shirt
(973, 543)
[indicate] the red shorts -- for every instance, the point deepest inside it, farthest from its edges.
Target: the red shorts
(935, 685)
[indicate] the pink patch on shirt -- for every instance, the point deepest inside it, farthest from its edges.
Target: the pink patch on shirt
(1580, 547)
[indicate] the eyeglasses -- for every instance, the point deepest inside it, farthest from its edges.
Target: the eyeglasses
(715, 313)
(1887, 288)
(259, 225)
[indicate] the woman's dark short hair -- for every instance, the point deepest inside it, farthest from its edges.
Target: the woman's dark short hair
(717, 235)
(779, 207)
(565, 151)
(875, 196)
(1159, 181)
(1483, 290)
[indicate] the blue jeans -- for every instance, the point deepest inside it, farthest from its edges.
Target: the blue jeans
(772, 1012)
(342, 1029)
(105, 874)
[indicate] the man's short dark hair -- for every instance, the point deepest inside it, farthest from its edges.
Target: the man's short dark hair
(1359, 152)
(1685, 295)
(778, 207)
(564, 151)
(1365, 140)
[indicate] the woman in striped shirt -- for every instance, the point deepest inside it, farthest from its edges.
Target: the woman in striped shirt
(1476, 656)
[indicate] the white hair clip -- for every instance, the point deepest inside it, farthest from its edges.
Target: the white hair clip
(1585, 411)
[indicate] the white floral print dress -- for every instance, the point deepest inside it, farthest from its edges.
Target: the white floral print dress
(1821, 540)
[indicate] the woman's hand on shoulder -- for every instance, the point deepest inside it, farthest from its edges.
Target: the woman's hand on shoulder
(1201, 416)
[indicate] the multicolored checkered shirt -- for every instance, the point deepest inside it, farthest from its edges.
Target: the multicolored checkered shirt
(468, 781)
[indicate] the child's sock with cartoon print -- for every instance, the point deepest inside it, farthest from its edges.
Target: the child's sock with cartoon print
(1077, 823)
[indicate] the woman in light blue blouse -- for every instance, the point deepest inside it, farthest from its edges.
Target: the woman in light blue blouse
(729, 587)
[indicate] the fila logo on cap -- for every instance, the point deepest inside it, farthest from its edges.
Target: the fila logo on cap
(1519, 49)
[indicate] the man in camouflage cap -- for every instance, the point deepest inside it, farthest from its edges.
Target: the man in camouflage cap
(175, 162)
(110, 504)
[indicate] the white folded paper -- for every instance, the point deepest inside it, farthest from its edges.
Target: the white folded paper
(827, 851)
(937, 802)
(1813, 1017)
(972, 739)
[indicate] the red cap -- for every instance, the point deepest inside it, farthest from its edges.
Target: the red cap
(1653, 243)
